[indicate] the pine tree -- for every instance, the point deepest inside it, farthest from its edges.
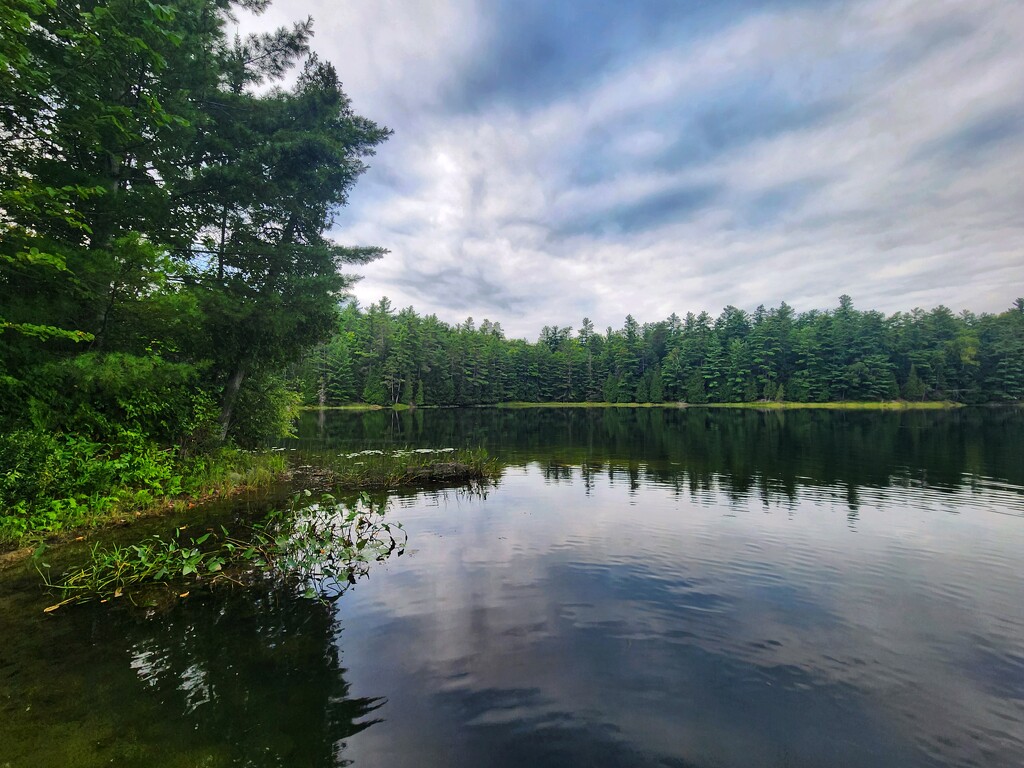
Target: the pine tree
(914, 388)
(656, 391)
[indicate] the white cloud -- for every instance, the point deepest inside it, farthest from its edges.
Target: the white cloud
(539, 215)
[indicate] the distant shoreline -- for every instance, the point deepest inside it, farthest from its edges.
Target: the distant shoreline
(770, 405)
(885, 405)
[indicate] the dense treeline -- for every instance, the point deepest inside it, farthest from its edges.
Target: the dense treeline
(385, 357)
(775, 452)
(163, 209)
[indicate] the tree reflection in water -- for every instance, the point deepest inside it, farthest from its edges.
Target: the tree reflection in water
(256, 679)
(744, 453)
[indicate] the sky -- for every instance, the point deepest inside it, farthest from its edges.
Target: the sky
(559, 160)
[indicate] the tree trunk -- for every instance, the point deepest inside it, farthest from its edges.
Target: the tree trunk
(322, 394)
(230, 397)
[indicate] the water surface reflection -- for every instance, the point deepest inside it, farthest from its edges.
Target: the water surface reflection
(562, 622)
(232, 678)
(642, 588)
(776, 451)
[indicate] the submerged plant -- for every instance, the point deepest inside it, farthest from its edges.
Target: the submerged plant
(324, 546)
(327, 545)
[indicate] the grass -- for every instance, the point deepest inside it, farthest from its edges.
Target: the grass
(586, 404)
(326, 544)
(362, 407)
(349, 407)
(61, 490)
(401, 407)
(887, 405)
(67, 512)
(394, 469)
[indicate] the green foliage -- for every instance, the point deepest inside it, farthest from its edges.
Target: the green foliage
(773, 354)
(266, 408)
(325, 546)
(104, 396)
(374, 392)
(643, 390)
(394, 469)
(657, 390)
(695, 392)
(914, 388)
(144, 276)
(51, 483)
(151, 291)
(54, 482)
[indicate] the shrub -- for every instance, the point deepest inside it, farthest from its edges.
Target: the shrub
(102, 395)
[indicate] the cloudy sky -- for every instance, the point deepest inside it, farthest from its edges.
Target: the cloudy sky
(555, 160)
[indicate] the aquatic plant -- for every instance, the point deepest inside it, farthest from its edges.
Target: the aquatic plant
(324, 546)
(396, 468)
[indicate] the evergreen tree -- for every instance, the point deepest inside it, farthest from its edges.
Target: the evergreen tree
(914, 388)
(133, 135)
(779, 355)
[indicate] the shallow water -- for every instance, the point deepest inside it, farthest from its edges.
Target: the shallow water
(642, 587)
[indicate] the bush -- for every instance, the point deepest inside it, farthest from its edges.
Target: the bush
(266, 408)
(50, 483)
(53, 482)
(104, 395)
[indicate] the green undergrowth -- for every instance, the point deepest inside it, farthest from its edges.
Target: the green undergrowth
(54, 483)
(397, 468)
(323, 545)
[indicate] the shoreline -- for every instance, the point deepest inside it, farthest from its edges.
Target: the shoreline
(389, 472)
(882, 405)
(768, 405)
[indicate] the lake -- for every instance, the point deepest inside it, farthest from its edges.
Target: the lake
(642, 587)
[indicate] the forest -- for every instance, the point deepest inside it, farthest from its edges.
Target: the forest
(383, 357)
(165, 193)
(170, 293)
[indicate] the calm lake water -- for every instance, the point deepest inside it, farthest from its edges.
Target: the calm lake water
(642, 588)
